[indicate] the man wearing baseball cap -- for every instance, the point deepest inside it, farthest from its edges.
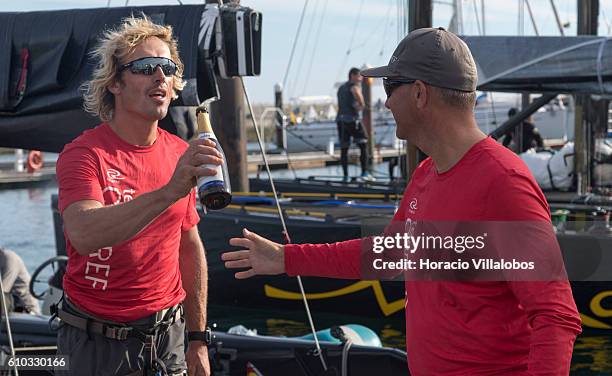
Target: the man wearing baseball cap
(499, 327)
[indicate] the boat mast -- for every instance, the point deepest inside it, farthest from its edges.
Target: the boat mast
(419, 16)
(455, 25)
(482, 14)
(586, 111)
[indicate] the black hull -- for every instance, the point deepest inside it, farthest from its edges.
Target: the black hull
(321, 185)
(280, 292)
(336, 186)
(229, 354)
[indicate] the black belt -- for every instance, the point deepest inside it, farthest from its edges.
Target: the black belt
(161, 320)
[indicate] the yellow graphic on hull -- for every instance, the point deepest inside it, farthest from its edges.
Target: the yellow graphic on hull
(598, 311)
(596, 307)
(593, 323)
(387, 308)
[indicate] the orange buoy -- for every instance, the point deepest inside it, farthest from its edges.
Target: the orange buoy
(35, 161)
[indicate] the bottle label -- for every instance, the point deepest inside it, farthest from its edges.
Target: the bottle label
(205, 181)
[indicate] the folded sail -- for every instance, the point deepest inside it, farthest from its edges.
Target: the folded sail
(48, 58)
(581, 64)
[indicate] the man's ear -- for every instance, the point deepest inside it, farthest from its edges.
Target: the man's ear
(420, 93)
(115, 87)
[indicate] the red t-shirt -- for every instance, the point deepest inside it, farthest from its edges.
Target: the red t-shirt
(470, 328)
(141, 275)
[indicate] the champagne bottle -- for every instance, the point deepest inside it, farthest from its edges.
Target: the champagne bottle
(214, 191)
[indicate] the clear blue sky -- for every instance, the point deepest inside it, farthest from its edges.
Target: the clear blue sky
(321, 54)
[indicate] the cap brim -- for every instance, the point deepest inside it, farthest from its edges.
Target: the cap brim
(383, 71)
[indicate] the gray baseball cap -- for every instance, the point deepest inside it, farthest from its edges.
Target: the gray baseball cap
(434, 56)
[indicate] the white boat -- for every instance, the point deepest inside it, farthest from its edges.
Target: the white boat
(554, 121)
(317, 135)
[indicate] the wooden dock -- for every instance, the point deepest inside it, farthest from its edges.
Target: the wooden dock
(314, 159)
(277, 161)
(10, 179)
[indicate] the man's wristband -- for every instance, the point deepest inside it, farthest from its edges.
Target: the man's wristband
(205, 336)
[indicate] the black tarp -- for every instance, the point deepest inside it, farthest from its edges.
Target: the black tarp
(581, 64)
(57, 43)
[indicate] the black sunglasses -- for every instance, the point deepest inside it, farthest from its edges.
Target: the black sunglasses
(391, 84)
(148, 65)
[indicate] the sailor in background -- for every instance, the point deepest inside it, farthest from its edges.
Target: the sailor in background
(454, 327)
(16, 282)
(531, 136)
(127, 198)
(350, 105)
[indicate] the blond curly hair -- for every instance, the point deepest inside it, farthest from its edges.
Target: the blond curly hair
(115, 45)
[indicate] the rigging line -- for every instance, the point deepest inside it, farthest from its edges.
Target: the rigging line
(349, 50)
(405, 17)
(521, 17)
(459, 16)
(557, 18)
(477, 17)
(297, 35)
(299, 75)
(398, 18)
(372, 33)
(384, 34)
(356, 24)
(284, 225)
(493, 109)
(290, 164)
(535, 27)
(342, 67)
(314, 49)
(605, 19)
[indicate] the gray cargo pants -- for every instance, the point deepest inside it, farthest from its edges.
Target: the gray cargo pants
(95, 354)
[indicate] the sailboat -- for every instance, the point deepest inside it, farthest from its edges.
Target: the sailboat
(46, 112)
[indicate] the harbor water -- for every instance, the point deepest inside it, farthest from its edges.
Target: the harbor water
(26, 226)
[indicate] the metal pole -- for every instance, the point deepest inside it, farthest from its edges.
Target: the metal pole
(281, 137)
(509, 124)
(419, 16)
(459, 15)
(518, 131)
(19, 161)
(588, 11)
(366, 90)
(482, 13)
(521, 17)
(227, 118)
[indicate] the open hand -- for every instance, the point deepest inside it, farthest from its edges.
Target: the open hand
(261, 256)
